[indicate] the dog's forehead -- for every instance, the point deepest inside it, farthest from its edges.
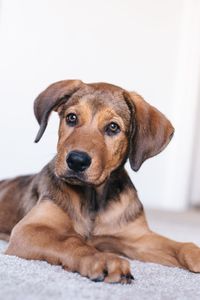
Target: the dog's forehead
(101, 96)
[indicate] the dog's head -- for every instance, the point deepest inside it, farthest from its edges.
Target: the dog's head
(101, 126)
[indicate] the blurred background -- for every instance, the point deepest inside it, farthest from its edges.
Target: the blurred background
(152, 47)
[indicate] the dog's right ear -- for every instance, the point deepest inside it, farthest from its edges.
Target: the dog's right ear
(50, 99)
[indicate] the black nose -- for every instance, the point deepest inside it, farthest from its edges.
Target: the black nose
(78, 161)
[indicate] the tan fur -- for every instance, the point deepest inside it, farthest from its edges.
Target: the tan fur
(83, 222)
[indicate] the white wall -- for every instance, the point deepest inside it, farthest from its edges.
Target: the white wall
(194, 192)
(133, 43)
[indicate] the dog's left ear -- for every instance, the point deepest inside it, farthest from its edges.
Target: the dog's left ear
(153, 131)
(50, 99)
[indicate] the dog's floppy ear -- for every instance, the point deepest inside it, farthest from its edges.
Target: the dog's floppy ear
(153, 131)
(50, 99)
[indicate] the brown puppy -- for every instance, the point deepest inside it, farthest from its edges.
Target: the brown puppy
(82, 211)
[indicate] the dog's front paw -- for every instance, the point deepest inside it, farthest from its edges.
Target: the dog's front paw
(189, 256)
(106, 267)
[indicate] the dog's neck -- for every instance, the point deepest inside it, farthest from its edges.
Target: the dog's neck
(93, 198)
(96, 198)
(86, 203)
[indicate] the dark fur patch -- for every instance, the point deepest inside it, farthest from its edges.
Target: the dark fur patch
(24, 181)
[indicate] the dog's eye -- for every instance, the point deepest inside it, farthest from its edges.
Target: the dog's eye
(112, 129)
(71, 119)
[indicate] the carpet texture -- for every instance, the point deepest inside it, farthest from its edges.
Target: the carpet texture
(34, 280)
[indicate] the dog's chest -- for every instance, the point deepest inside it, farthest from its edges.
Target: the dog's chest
(105, 222)
(94, 227)
(94, 216)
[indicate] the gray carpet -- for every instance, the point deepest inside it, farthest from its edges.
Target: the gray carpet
(30, 280)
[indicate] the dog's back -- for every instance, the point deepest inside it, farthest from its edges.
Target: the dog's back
(13, 194)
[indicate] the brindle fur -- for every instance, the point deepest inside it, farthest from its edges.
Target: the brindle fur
(84, 221)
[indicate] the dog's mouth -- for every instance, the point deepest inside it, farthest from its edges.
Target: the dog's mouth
(79, 178)
(75, 178)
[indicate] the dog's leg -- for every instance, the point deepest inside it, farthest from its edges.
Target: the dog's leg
(155, 248)
(46, 233)
(150, 247)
